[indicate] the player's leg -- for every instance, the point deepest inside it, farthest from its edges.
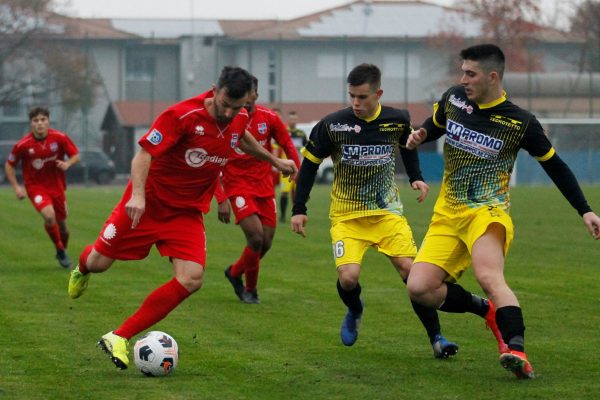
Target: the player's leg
(186, 248)
(284, 196)
(188, 279)
(60, 211)
(442, 348)
(45, 207)
(488, 264)
(246, 210)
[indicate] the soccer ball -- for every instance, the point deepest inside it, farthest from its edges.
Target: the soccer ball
(156, 354)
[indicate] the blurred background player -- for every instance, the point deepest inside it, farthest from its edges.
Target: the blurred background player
(42, 156)
(470, 224)
(248, 184)
(288, 187)
(173, 178)
(366, 210)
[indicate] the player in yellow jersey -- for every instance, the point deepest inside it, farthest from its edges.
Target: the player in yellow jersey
(470, 224)
(366, 210)
(287, 186)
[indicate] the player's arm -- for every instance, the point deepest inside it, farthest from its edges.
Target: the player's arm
(410, 159)
(433, 128)
(304, 184)
(68, 163)
(249, 145)
(283, 138)
(224, 209)
(11, 176)
(72, 154)
(140, 166)
(538, 145)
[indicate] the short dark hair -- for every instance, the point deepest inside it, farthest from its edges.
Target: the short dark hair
(35, 111)
(237, 81)
(489, 56)
(365, 73)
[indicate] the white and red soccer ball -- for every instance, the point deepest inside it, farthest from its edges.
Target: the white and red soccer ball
(156, 354)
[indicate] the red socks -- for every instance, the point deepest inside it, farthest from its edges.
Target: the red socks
(54, 234)
(248, 264)
(156, 307)
(83, 259)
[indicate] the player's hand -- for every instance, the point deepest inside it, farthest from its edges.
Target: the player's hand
(422, 187)
(20, 192)
(416, 138)
(298, 223)
(288, 168)
(135, 208)
(224, 212)
(592, 221)
(62, 165)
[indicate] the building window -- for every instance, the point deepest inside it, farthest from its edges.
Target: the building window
(334, 65)
(140, 68)
(399, 66)
(272, 75)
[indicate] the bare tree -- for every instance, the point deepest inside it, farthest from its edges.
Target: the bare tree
(37, 64)
(511, 25)
(585, 22)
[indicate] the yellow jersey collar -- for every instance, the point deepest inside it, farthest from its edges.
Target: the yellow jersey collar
(374, 117)
(494, 103)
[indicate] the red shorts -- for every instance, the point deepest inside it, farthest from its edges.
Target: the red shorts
(41, 198)
(264, 207)
(176, 234)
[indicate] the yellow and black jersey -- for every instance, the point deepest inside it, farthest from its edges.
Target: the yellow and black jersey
(481, 146)
(363, 154)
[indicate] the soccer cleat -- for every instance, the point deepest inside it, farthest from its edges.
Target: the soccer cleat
(442, 348)
(516, 362)
(78, 282)
(116, 347)
(350, 326)
(63, 259)
(250, 297)
(490, 322)
(238, 285)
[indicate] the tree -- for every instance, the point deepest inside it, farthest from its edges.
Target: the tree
(506, 23)
(37, 64)
(585, 23)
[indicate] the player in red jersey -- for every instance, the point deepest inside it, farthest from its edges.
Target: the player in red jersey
(42, 156)
(248, 184)
(173, 178)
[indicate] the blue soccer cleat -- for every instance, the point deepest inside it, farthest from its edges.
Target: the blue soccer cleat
(350, 326)
(442, 348)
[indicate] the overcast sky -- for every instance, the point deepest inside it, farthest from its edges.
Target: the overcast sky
(229, 9)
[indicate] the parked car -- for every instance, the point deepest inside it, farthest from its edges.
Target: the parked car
(101, 168)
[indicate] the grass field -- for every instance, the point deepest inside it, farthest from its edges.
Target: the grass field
(288, 347)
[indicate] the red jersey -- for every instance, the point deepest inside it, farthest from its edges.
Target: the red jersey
(189, 150)
(249, 176)
(38, 158)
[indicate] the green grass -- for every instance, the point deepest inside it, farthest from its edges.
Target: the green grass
(288, 347)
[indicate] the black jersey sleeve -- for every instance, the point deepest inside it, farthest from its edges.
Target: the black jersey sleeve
(435, 125)
(319, 144)
(538, 145)
(410, 159)
(304, 184)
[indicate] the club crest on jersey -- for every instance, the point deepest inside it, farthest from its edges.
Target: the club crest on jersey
(199, 130)
(235, 138)
(338, 127)
(262, 128)
(460, 103)
(53, 147)
(155, 137)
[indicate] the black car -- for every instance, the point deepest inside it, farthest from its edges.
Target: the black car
(101, 168)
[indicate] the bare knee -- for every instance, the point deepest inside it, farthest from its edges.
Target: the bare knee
(348, 276)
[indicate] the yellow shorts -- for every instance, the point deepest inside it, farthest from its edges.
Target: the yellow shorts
(390, 234)
(286, 186)
(449, 240)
